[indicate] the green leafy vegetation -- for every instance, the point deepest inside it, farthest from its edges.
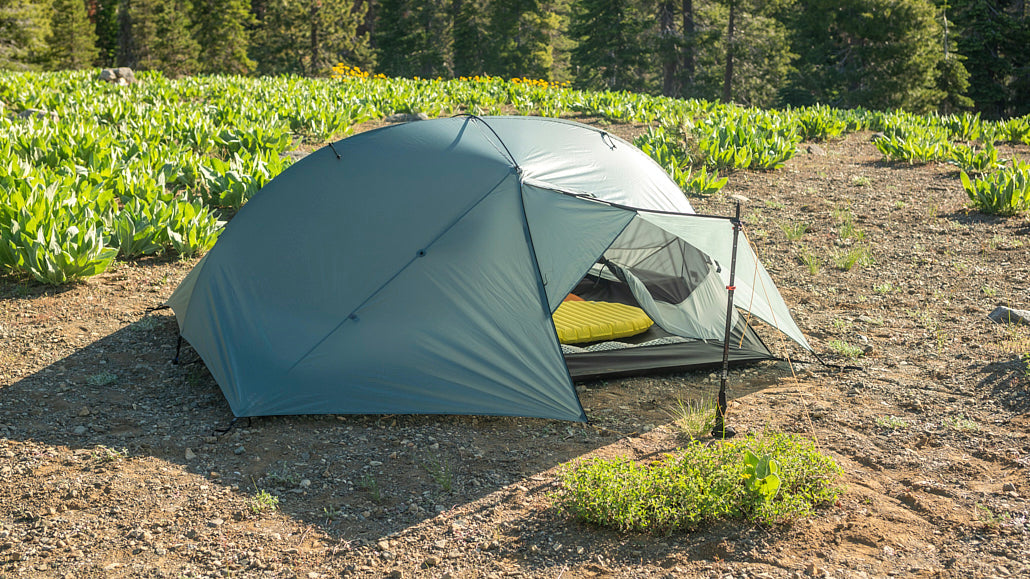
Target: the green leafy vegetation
(845, 349)
(891, 422)
(767, 479)
(263, 501)
(155, 168)
(1003, 192)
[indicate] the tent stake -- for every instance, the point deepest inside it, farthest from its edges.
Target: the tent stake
(178, 346)
(722, 431)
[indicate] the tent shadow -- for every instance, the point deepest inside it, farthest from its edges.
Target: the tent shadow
(1008, 382)
(358, 478)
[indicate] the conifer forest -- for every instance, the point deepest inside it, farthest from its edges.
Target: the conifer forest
(916, 55)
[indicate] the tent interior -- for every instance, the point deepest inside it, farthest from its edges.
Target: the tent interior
(671, 281)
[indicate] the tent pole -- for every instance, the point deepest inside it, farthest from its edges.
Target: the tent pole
(721, 430)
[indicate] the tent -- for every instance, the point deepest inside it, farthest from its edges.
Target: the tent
(414, 269)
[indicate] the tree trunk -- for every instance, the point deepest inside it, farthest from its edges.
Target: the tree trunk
(315, 45)
(727, 81)
(670, 86)
(688, 42)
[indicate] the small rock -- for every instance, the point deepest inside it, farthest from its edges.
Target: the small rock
(383, 545)
(305, 483)
(190, 455)
(239, 450)
(406, 117)
(79, 430)
(84, 411)
(395, 574)
(1008, 487)
(432, 561)
(215, 523)
(1003, 315)
(814, 149)
(37, 114)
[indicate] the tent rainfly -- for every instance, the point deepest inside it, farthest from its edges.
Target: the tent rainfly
(414, 269)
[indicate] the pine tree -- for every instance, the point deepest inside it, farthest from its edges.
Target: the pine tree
(609, 52)
(104, 14)
(469, 33)
(222, 31)
(880, 54)
(521, 38)
(72, 39)
(994, 35)
(412, 38)
(24, 26)
(310, 36)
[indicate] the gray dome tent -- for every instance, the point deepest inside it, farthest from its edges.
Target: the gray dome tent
(414, 269)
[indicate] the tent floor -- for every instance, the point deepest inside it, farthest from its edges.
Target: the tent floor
(632, 359)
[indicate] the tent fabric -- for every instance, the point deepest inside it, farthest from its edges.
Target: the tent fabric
(415, 268)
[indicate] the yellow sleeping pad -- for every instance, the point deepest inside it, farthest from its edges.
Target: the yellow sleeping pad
(578, 321)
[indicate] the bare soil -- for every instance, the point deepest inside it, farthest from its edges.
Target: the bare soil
(110, 465)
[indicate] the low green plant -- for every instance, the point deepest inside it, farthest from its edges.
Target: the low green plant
(884, 288)
(1003, 192)
(847, 259)
(263, 501)
(976, 161)
(694, 418)
(282, 477)
(842, 325)
(441, 471)
(762, 475)
(101, 379)
(962, 424)
(702, 483)
(891, 422)
(811, 261)
(369, 484)
(988, 291)
(794, 230)
(106, 454)
(845, 349)
(860, 181)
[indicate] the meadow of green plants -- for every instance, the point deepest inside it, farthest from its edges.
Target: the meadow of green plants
(90, 172)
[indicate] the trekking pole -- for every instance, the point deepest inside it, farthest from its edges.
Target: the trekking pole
(721, 431)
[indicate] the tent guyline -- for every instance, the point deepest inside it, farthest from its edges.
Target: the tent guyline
(420, 269)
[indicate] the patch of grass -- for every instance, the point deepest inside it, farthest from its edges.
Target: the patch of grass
(891, 422)
(441, 471)
(263, 501)
(962, 424)
(771, 204)
(884, 288)
(848, 259)
(702, 483)
(369, 484)
(106, 454)
(988, 291)
(811, 261)
(842, 325)
(989, 518)
(794, 230)
(283, 477)
(694, 418)
(860, 181)
(845, 349)
(899, 204)
(331, 512)
(101, 379)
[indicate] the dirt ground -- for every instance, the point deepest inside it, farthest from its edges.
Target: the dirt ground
(109, 465)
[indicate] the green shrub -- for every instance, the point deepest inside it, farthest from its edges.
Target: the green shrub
(703, 483)
(1005, 192)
